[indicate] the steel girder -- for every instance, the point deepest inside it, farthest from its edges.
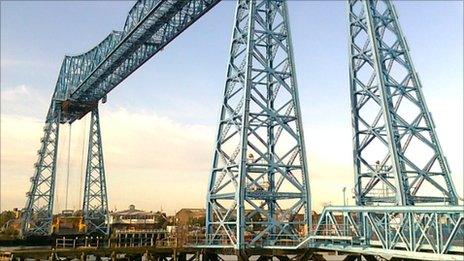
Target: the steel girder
(87, 78)
(149, 27)
(397, 156)
(430, 233)
(95, 204)
(258, 192)
(38, 215)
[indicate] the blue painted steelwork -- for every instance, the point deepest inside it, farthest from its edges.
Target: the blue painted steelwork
(37, 217)
(258, 192)
(85, 79)
(150, 26)
(425, 233)
(95, 204)
(397, 157)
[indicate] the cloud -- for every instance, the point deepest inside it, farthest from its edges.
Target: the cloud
(23, 100)
(12, 94)
(163, 141)
(152, 160)
(19, 142)
(24, 64)
(160, 161)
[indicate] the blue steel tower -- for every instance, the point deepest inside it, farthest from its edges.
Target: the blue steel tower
(407, 205)
(38, 214)
(86, 79)
(95, 204)
(397, 157)
(258, 193)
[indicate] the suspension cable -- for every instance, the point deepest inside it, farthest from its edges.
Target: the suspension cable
(82, 162)
(67, 172)
(59, 182)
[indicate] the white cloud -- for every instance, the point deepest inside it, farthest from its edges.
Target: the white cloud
(155, 161)
(22, 100)
(151, 161)
(9, 63)
(13, 93)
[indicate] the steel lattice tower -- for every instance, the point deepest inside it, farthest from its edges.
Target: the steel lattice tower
(95, 204)
(258, 191)
(397, 156)
(38, 215)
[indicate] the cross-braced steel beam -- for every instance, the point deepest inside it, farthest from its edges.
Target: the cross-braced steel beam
(258, 192)
(87, 78)
(95, 204)
(425, 233)
(397, 156)
(150, 26)
(38, 214)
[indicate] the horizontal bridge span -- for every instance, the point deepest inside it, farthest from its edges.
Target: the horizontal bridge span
(421, 232)
(398, 209)
(150, 26)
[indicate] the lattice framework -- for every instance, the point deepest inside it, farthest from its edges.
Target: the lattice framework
(259, 191)
(38, 214)
(397, 156)
(95, 204)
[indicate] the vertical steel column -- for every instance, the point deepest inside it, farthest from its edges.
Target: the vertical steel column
(38, 215)
(95, 203)
(258, 192)
(397, 157)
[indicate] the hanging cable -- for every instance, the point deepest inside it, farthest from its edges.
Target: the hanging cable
(82, 162)
(67, 172)
(59, 182)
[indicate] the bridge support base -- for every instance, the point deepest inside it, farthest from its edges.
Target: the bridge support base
(246, 256)
(370, 258)
(209, 257)
(359, 257)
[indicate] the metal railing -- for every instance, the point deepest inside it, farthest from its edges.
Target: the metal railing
(437, 229)
(76, 242)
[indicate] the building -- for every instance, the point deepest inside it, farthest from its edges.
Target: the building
(135, 219)
(190, 216)
(134, 227)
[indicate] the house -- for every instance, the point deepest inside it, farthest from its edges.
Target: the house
(190, 216)
(135, 219)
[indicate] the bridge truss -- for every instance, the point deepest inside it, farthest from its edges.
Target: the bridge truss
(95, 204)
(397, 157)
(258, 190)
(258, 194)
(425, 233)
(83, 81)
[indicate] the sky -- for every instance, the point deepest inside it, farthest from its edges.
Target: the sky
(159, 125)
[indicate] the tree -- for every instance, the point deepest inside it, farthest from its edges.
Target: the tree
(5, 217)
